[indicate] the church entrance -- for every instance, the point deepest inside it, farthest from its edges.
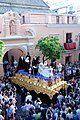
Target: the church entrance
(11, 58)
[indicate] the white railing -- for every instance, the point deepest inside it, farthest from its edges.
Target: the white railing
(49, 18)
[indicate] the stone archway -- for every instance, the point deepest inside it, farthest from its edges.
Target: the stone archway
(12, 55)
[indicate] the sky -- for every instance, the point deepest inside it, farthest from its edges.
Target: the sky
(55, 3)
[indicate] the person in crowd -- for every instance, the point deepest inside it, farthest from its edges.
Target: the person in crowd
(28, 55)
(38, 60)
(69, 115)
(38, 102)
(60, 97)
(27, 64)
(22, 93)
(49, 114)
(21, 62)
(44, 108)
(35, 63)
(28, 97)
(5, 63)
(59, 67)
(53, 63)
(75, 116)
(78, 111)
(2, 117)
(58, 116)
(37, 114)
(29, 117)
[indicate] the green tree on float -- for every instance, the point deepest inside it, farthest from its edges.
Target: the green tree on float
(1, 48)
(50, 47)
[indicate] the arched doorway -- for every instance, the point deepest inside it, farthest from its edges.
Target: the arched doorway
(11, 56)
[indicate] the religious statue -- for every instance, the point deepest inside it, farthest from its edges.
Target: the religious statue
(12, 27)
(59, 67)
(45, 70)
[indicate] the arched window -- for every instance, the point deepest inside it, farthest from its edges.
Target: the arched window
(23, 18)
(12, 27)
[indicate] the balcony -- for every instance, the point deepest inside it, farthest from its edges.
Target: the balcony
(70, 46)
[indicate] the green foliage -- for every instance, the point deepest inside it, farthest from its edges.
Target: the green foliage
(1, 48)
(50, 47)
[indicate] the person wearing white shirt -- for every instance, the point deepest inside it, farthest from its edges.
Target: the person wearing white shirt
(78, 112)
(28, 97)
(37, 102)
(69, 114)
(28, 105)
(1, 97)
(59, 67)
(11, 111)
(60, 97)
(1, 117)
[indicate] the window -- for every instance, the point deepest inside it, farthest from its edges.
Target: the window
(23, 19)
(68, 20)
(79, 56)
(68, 37)
(57, 19)
(79, 40)
(72, 18)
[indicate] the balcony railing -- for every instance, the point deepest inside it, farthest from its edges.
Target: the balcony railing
(70, 46)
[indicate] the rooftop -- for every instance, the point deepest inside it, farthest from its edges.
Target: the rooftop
(22, 6)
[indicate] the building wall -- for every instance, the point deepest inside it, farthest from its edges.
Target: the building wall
(25, 33)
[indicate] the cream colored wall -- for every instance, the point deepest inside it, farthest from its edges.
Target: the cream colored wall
(44, 31)
(42, 24)
(37, 18)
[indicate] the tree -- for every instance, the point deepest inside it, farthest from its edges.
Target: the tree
(50, 47)
(1, 48)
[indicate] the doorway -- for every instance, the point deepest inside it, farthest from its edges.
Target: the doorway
(79, 56)
(67, 59)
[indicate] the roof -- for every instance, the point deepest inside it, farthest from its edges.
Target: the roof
(22, 6)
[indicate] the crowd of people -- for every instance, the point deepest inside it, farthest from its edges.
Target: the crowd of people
(65, 107)
(7, 99)
(71, 70)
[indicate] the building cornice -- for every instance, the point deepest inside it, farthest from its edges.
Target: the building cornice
(19, 44)
(63, 25)
(14, 37)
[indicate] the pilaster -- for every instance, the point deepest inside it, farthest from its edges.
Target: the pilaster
(1, 68)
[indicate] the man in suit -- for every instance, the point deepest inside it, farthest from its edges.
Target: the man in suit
(28, 56)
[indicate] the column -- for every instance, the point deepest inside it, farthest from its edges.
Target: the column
(1, 68)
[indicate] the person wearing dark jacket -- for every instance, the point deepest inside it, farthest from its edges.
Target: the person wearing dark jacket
(21, 63)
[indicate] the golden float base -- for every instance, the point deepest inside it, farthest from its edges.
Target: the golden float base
(38, 85)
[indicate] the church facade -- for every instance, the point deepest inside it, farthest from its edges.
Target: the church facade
(22, 25)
